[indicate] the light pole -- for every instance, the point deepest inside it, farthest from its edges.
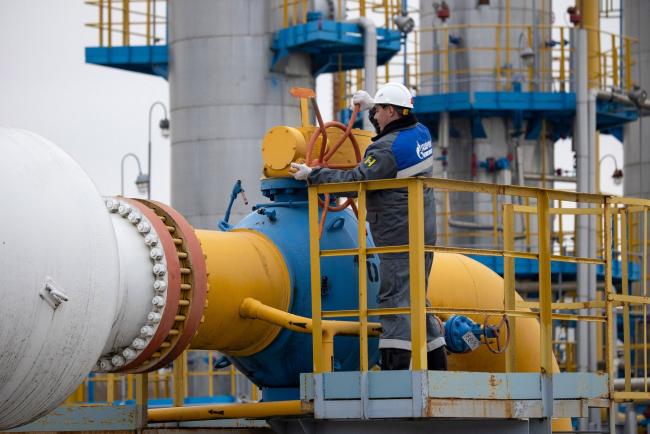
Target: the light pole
(164, 131)
(142, 180)
(617, 175)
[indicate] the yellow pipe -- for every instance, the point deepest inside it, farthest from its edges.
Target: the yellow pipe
(254, 309)
(251, 308)
(457, 281)
(240, 263)
(255, 410)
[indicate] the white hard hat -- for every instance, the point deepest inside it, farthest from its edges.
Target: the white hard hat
(394, 94)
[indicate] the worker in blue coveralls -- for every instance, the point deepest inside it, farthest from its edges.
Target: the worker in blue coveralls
(402, 148)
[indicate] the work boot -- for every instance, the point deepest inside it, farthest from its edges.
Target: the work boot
(395, 359)
(437, 359)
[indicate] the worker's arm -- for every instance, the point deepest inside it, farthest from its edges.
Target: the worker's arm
(378, 163)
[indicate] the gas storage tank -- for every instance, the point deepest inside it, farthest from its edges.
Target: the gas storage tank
(223, 99)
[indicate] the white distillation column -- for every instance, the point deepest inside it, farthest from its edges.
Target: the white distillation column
(473, 69)
(86, 284)
(223, 99)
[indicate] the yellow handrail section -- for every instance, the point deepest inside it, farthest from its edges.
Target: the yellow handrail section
(130, 22)
(625, 359)
(172, 382)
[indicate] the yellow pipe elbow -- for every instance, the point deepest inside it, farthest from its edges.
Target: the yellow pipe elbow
(457, 281)
(240, 263)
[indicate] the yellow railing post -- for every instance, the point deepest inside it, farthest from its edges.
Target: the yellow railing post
(446, 217)
(562, 61)
(531, 72)
(509, 277)
(142, 396)
(625, 290)
(445, 59)
(644, 287)
(304, 11)
(508, 65)
(610, 325)
(295, 12)
(110, 23)
(545, 296)
(179, 380)
(232, 372)
(614, 62)
(285, 14)
(110, 388)
(314, 258)
(101, 23)
(628, 64)
(497, 56)
(125, 22)
(362, 8)
(210, 373)
(416, 274)
(495, 221)
(148, 23)
(129, 386)
(363, 274)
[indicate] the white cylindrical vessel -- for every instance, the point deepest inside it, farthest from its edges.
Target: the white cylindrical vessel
(60, 269)
(223, 100)
(114, 285)
(462, 56)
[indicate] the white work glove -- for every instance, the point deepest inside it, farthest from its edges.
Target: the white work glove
(300, 171)
(364, 100)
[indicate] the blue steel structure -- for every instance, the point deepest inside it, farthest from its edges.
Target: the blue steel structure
(284, 220)
(147, 59)
(557, 108)
(332, 45)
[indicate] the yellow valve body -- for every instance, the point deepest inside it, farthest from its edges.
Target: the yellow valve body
(241, 263)
(283, 145)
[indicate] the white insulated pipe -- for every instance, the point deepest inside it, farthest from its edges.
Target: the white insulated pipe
(60, 271)
(369, 61)
(86, 284)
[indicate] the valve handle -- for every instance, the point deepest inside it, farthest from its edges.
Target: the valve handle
(324, 157)
(501, 343)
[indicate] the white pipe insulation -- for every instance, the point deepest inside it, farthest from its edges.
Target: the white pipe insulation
(60, 272)
(369, 61)
(86, 283)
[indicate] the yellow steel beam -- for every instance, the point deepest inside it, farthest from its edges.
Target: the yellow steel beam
(363, 271)
(416, 275)
(610, 328)
(180, 375)
(125, 23)
(625, 290)
(631, 396)
(509, 299)
(545, 296)
(314, 259)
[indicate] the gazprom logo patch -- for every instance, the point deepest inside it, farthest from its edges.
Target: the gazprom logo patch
(424, 150)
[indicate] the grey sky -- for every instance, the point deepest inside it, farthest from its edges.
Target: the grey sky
(95, 114)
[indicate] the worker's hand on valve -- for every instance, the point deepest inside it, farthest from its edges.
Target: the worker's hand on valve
(300, 171)
(364, 100)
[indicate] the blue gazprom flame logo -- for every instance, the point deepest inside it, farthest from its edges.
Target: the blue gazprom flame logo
(424, 150)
